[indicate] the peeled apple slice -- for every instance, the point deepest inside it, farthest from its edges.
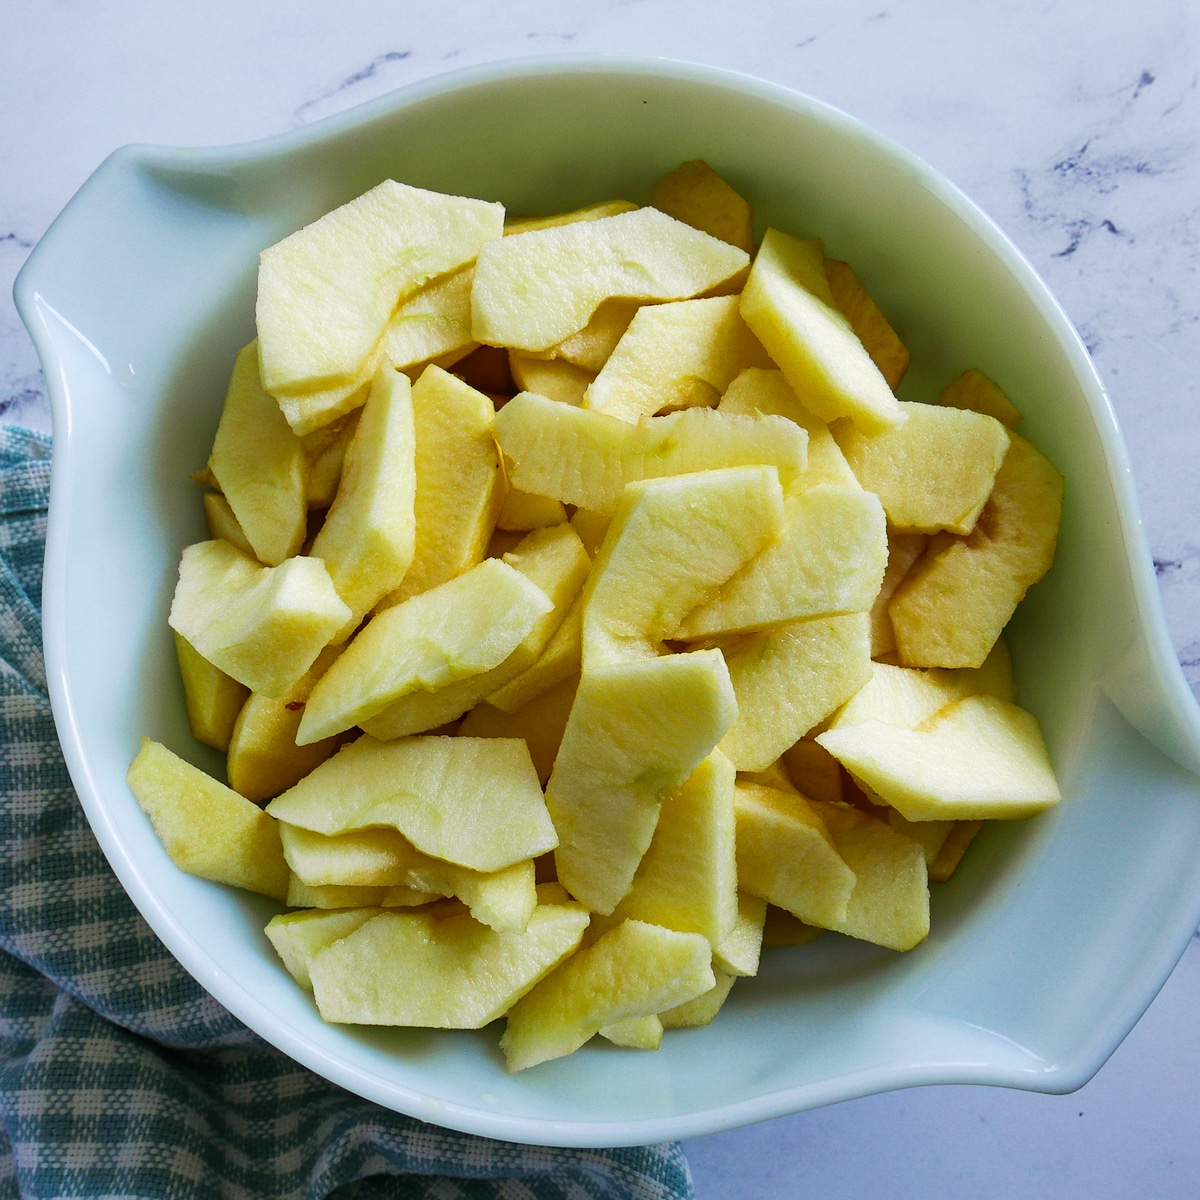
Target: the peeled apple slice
(534, 289)
(326, 292)
(475, 802)
(453, 973)
(586, 458)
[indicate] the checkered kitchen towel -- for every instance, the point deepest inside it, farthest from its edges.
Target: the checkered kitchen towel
(119, 1075)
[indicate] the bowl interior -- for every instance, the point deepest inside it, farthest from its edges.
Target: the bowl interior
(1056, 932)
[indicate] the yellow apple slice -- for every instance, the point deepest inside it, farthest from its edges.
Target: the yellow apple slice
(559, 661)
(534, 289)
(951, 607)
(556, 379)
(678, 355)
(933, 472)
(298, 937)
(223, 525)
(264, 626)
(635, 1033)
(539, 723)
(636, 731)
(475, 802)
(586, 458)
(635, 970)
(459, 481)
(362, 858)
(790, 308)
(696, 195)
(207, 829)
(903, 551)
(309, 412)
(369, 535)
(326, 292)
(787, 856)
(741, 948)
(525, 511)
(334, 896)
(434, 321)
(977, 758)
(452, 973)
(552, 560)
(213, 699)
(459, 629)
(790, 679)
(325, 449)
(829, 560)
(671, 544)
(974, 390)
(870, 326)
(591, 346)
(890, 902)
(590, 212)
(687, 879)
(957, 842)
(263, 758)
(260, 466)
(693, 1014)
(760, 391)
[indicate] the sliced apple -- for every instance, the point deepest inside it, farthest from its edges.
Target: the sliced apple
(299, 936)
(475, 802)
(555, 562)
(459, 629)
(459, 481)
(829, 560)
(678, 355)
(695, 194)
(671, 544)
(213, 698)
(207, 829)
(264, 626)
(687, 879)
(326, 292)
(787, 856)
(369, 534)
(739, 951)
(767, 392)
(933, 472)
(788, 305)
(870, 326)
(637, 730)
(790, 679)
(635, 970)
(974, 390)
(977, 758)
(951, 607)
(539, 723)
(433, 322)
(453, 973)
(534, 289)
(260, 465)
(263, 758)
(586, 458)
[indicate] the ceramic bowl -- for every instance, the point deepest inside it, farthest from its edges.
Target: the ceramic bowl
(1055, 934)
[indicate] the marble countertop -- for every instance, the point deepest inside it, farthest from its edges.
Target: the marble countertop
(1075, 125)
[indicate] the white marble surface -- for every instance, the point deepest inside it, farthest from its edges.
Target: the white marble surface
(1075, 125)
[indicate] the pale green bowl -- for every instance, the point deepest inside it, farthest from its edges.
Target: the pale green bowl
(1055, 934)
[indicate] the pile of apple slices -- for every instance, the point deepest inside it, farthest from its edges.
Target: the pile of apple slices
(704, 580)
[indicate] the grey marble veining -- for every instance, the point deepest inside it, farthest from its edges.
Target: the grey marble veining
(1075, 125)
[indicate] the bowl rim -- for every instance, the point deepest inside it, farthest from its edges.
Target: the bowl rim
(38, 318)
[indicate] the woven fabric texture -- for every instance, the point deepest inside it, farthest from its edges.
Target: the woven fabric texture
(119, 1075)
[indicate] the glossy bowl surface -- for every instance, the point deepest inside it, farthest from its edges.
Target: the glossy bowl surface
(1055, 934)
